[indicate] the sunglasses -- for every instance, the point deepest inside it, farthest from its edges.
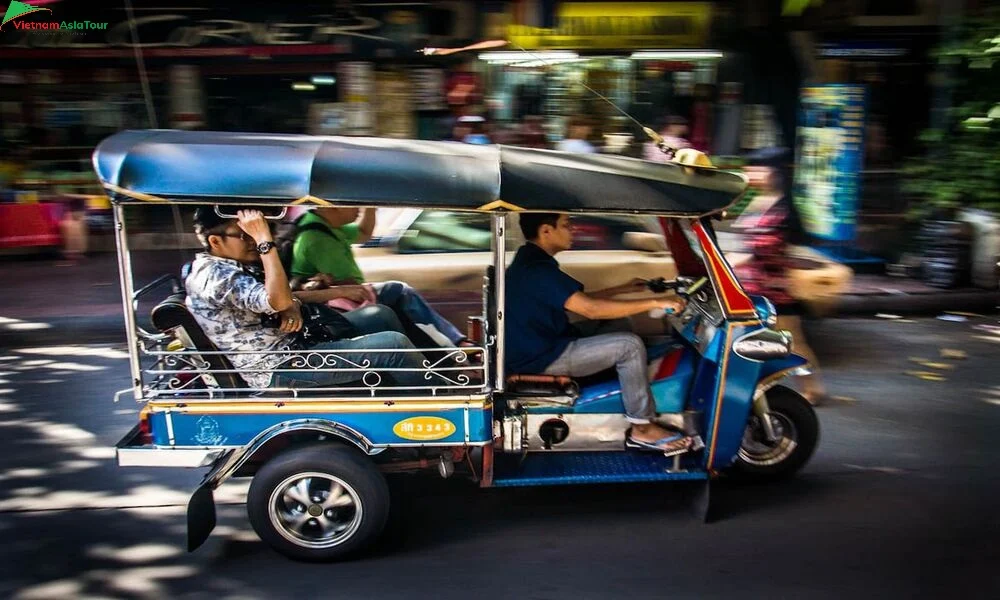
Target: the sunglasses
(241, 235)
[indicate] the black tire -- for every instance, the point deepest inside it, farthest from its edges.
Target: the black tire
(799, 429)
(350, 517)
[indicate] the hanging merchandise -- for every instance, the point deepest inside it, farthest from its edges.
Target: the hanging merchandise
(428, 89)
(186, 97)
(727, 126)
(357, 93)
(393, 107)
(759, 128)
(464, 89)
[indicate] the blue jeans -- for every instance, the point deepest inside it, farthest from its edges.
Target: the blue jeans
(373, 319)
(411, 306)
(371, 361)
(624, 351)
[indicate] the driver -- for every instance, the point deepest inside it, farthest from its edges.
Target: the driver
(540, 338)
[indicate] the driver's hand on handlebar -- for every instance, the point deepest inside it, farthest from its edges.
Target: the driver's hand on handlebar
(672, 306)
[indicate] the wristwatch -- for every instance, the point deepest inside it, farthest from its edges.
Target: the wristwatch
(264, 247)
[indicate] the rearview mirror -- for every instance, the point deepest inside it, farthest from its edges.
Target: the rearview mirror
(644, 242)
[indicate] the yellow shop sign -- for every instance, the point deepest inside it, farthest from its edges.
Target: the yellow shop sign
(422, 429)
(620, 25)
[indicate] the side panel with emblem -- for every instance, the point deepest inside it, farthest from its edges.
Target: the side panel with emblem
(203, 426)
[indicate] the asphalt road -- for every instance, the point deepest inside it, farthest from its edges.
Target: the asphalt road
(899, 501)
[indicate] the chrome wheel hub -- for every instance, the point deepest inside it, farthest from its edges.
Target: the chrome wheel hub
(757, 450)
(315, 510)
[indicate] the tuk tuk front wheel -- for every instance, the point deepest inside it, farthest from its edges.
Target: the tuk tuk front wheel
(318, 503)
(796, 428)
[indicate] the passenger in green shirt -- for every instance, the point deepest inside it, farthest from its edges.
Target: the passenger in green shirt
(330, 251)
(326, 250)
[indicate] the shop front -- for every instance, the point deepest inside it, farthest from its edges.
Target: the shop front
(647, 58)
(321, 68)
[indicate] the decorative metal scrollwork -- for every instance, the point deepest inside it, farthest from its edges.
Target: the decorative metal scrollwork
(188, 372)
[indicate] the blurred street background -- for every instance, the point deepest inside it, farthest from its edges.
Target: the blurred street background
(886, 108)
(889, 109)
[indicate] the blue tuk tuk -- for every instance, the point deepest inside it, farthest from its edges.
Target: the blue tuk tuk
(318, 456)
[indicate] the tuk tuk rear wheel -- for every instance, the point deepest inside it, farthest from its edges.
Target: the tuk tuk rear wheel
(797, 428)
(318, 503)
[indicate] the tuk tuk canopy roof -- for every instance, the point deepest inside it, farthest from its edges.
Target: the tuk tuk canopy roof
(220, 167)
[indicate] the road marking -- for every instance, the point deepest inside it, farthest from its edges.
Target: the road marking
(886, 470)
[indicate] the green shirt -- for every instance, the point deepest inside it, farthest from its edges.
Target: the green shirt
(319, 252)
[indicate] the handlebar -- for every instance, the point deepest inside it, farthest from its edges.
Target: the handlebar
(682, 286)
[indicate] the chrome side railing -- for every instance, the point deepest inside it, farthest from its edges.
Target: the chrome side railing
(189, 374)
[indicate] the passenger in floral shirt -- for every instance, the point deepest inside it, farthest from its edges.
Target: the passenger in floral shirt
(228, 303)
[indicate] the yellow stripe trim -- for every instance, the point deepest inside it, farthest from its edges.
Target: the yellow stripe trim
(310, 407)
(718, 398)
(500, 205)
(311, 200)
(131, 194)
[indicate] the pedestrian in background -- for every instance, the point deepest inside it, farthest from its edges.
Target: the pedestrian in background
(73, 231)
(472, 130)
(769, 224)
(532, 132)
(578, 131)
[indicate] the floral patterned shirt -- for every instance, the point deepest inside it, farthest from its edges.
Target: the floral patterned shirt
(227, 302)
(765, 223)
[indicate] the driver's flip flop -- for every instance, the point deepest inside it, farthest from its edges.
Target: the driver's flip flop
(669, 446)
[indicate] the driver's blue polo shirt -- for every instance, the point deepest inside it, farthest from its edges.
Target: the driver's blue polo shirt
(537, 326)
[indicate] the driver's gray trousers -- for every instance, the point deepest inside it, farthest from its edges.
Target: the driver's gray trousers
(624, 351)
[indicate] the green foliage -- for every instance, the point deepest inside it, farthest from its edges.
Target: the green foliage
(961, 167)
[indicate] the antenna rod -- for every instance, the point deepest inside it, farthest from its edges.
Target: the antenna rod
(656, 137)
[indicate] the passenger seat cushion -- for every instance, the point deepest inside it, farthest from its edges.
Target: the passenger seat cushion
(552, 385)
(171, 314)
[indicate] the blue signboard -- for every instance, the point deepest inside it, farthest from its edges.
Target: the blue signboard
(828, 159)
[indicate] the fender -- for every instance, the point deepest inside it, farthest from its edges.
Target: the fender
(771, 373)
(201, 506)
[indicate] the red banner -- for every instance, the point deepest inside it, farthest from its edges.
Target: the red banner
(29, 225)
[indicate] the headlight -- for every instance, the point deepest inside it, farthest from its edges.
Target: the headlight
(763, 344)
